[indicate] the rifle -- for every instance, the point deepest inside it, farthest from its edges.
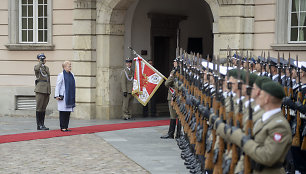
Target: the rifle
(208, 98)
(237, 123)
(219, 158)
(285, 87)
(210, 153)
(265, 65)
(249, 125)
(290, 92)
(202, 126)
(303, 147)
(296, 138)
(279, 69)
(261, 64)
(270, 65)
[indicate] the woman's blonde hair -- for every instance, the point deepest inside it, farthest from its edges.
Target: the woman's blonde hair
(65, 63)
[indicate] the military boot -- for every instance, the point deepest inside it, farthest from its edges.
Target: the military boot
(170, 134)
(178, 130)
(42, 123)
(38, 121)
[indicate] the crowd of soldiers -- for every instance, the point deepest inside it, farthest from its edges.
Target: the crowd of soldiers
(247, 116)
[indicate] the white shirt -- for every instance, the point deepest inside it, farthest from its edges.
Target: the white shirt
(256, 108)
(238, 100)
(268, 114)
(246, 104)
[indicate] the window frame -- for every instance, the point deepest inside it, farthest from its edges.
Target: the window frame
(14, 44)
(289, 24)
(281, 37)
(35, 23)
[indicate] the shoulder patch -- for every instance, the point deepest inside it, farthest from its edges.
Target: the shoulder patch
(277, 137)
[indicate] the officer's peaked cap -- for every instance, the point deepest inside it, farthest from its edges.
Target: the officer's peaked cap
(41, 56)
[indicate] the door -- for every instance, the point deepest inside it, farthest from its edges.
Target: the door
(161, 63)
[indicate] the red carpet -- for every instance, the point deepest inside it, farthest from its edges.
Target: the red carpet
(79, 130)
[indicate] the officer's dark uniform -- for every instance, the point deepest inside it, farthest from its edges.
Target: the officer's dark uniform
(42, 91)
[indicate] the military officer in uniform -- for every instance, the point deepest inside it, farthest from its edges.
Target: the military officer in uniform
(127, 78)
(173, 115)
(271, 134)
(42, 90)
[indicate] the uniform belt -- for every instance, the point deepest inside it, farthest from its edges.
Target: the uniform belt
(259, 167)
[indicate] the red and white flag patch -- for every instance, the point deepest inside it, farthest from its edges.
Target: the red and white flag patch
(277, 137)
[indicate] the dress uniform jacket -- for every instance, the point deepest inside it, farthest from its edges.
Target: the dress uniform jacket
(170, 83)
(272, 140)
(42, 79)
(127, 76)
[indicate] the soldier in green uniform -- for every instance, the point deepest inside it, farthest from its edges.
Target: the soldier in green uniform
(127, 78)
(170, 84)
(271, 133)
(42, 90)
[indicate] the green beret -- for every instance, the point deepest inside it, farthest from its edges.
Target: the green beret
(252, 77)
(274, 89)
(243, 75)
(233, 73)
(261, 80)
(238, 72)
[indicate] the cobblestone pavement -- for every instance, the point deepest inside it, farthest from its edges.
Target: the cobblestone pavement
(77, 154)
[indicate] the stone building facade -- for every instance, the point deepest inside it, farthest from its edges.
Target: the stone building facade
(95, 35)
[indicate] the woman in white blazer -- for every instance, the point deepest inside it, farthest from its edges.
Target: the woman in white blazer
(65, 95)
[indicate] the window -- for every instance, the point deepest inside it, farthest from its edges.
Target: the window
(33, 21)
(297, 21)
(30, 25)
(290, 28)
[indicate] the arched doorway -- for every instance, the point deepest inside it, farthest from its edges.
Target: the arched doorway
(124, 23)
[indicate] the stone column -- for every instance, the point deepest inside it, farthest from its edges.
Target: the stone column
(110, 59)
(84, 59)
(235, 26)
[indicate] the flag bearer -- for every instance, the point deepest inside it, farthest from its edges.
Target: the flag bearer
(170, 84)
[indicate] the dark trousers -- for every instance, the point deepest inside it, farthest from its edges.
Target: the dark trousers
(64, 117)
(152, 105)
(42, 101)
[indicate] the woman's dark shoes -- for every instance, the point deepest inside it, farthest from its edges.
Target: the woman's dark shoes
(65, 130)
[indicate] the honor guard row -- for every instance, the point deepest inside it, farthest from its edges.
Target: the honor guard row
(245, 117)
